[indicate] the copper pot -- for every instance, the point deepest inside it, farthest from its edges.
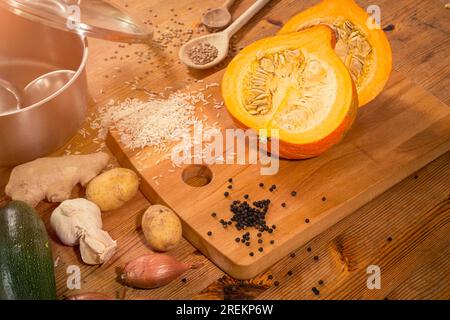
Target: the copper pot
(27, 50)
(42, 36)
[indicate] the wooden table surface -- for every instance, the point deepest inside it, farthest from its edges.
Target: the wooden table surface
(405, 231)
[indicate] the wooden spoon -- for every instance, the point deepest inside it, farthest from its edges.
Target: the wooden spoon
(220, 40)
(218, 18)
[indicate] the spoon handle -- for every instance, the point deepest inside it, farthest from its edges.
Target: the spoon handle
(228, 3)
(245, 17)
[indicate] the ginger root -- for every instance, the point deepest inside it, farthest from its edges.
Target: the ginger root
(53, 178)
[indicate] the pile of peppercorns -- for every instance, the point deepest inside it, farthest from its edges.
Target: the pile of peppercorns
(247, 214)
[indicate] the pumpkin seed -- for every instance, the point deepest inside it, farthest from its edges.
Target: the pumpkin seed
(282, 59)
(261, 96)
(259, 102)
(255, 91)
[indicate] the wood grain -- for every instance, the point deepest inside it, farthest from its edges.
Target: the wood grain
(346, 249)
(398, 133)
(421, 30)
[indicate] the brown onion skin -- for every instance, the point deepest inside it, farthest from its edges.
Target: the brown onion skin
(89, 296)
(153, 271)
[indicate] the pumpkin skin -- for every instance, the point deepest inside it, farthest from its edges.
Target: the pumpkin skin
(316, 42)
(329, 12)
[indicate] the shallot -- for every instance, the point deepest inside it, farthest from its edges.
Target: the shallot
(154, 270)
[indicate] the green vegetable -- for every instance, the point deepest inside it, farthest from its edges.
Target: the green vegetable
(26, 263)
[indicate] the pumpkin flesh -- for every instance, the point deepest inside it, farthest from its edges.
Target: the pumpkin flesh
(296, 84)
(361, 45)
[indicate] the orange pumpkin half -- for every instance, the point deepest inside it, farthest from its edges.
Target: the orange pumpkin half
(294, 83)
(361, 44)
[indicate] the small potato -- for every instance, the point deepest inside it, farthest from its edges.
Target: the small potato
(162, 228)
(113, 188)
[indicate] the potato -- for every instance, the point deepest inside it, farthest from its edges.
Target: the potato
(162, 228)
(113, 188)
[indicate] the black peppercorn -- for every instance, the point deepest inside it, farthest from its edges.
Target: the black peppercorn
(272, 241)
(184, 280)
(324, 199)
(283, 205)
(320, 282)
(307, 220)
(237, 239)
(230, 180)
(316, 258)
(260, 249)
(209, 233)
(247, 244)
(270, 277)
(260, 241)
(226, 193)
(259, 235)
(251, 254)
(389, 27)
(245, 196)
(389, 239)
(230, 187)
(308, 249)
(274, 226)
(293, 193)
(293, 255)
(261, 184)
(213, 214)
(289, 273)
(315, 291)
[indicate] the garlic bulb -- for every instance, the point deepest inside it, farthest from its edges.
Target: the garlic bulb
(79, 221)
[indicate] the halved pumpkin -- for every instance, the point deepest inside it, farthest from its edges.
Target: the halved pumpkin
(364, 48)
(294, 83)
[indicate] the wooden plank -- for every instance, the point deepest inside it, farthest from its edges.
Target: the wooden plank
(344, 251)
(398, 133)
(421, 25)
(413, 215)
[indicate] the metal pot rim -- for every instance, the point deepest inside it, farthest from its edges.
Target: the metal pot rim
(78, 72)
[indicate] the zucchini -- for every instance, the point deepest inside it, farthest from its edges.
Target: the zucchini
(26, 263)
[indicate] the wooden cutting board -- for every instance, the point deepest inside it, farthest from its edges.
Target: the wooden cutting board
(401, 131)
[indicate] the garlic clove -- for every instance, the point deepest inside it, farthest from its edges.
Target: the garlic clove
(96, 247)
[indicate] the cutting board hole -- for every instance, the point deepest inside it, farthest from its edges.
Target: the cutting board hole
(197, 175)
